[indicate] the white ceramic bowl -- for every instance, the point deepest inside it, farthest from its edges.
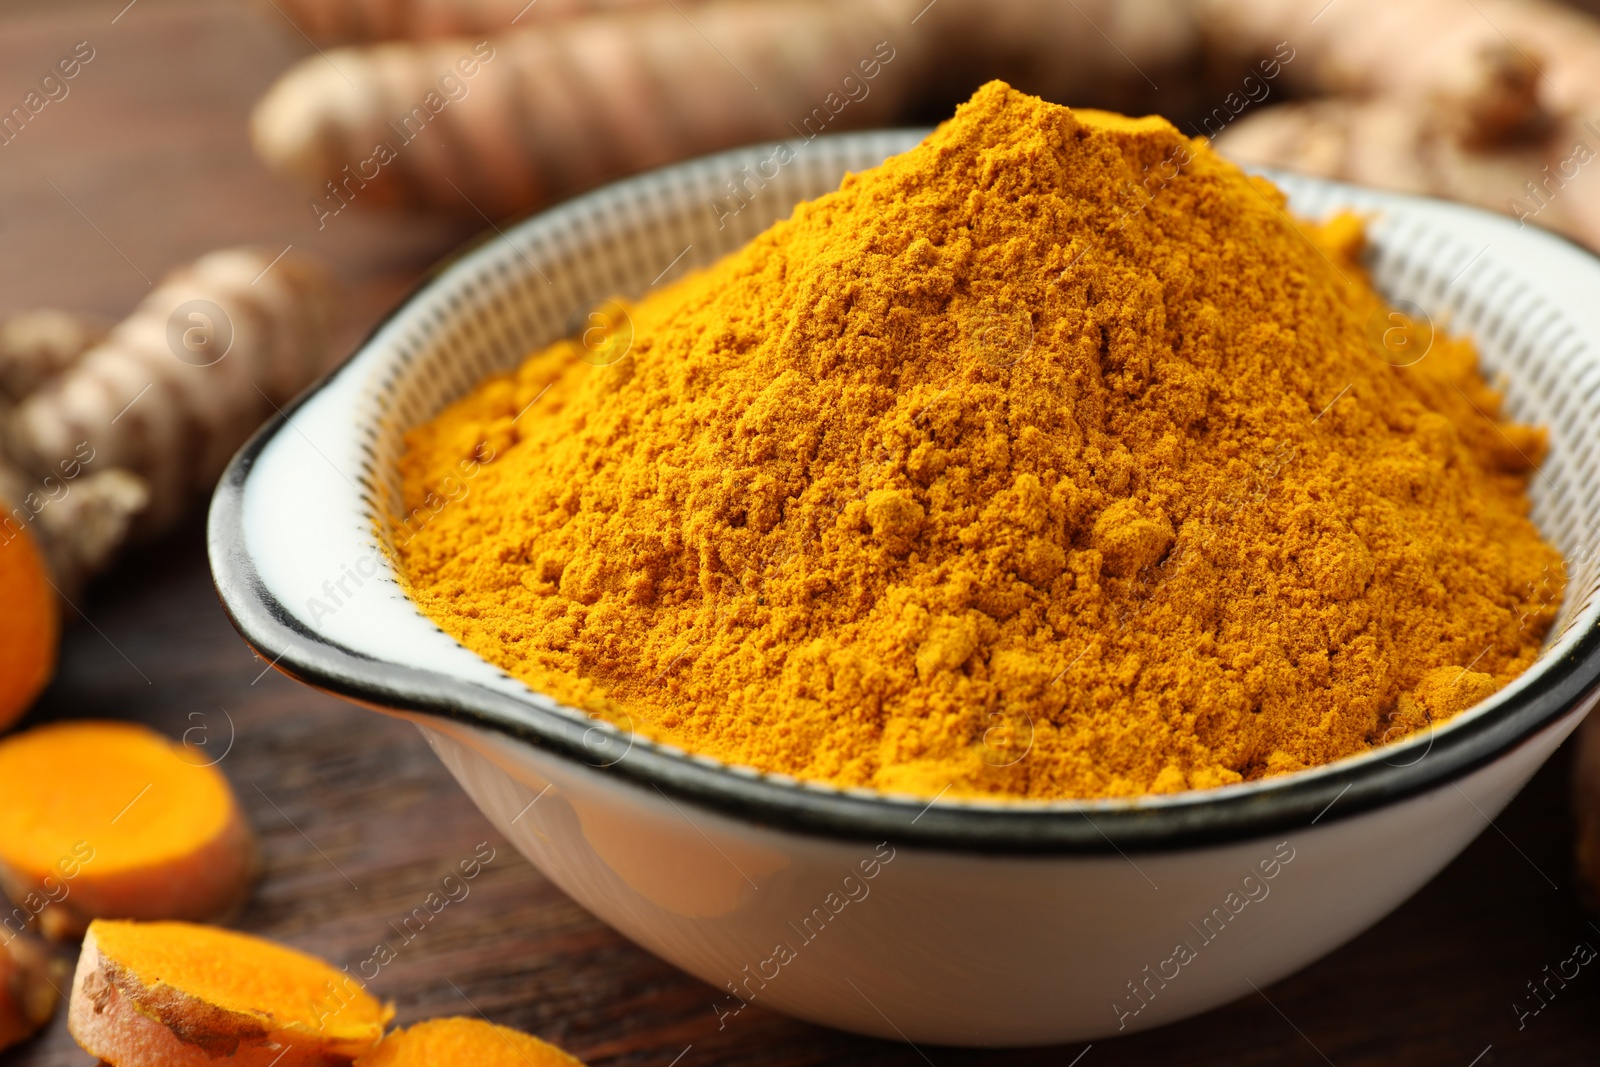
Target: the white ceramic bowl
(952, 922)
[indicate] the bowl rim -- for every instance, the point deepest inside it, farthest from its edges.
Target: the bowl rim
(1194, 819)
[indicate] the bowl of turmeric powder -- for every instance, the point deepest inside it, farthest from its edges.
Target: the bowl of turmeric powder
(1013, 584)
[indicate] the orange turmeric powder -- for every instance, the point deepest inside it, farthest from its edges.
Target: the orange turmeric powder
(1051, 458)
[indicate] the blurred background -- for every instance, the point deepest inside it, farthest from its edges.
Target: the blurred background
(360, 140)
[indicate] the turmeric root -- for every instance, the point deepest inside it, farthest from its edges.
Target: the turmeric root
(459, 1042)
(1586, 810)
(1448, 50)
(1394, 144)
(28, 989)
(1495, 109)
(173, 390)
(81, 525)
(87, 516)
(100, 435)
(536, 115)
(171, 994)
(35, 346)
(104, 819)
(1488, 106)
(511, 122)
(338, 21)
(29, 624)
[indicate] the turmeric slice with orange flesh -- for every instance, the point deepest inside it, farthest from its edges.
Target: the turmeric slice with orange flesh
(467, 1043)
(113, 820)
(172, 994)
(29, 622)
(28, 991)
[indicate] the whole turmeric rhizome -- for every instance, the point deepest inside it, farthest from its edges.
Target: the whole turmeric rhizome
(1052, 458)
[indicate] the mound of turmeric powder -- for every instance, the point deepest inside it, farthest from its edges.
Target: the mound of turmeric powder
(1051, 458)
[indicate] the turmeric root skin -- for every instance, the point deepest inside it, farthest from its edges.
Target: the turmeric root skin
(1392, 144)
(341, 21)
(106, 435)
(551, 111)
(156, 401)
(28, 991)
(1486, 108)
(1495, 110)
(35, 346)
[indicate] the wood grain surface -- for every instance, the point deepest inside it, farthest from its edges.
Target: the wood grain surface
(146, 164)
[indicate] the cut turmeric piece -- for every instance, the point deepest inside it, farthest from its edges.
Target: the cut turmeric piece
(172, 994)
(113, 820)
(28, 619)
(28, 992)
(467, 1043)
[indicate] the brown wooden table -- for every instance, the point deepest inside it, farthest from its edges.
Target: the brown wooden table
(359, 822)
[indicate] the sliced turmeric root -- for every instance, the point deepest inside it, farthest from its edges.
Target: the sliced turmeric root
(28, 991)
(28, 619)
(112, 820)
(172, 994)
(459, 1042)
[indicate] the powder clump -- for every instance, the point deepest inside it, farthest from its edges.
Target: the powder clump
(1051, 458)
